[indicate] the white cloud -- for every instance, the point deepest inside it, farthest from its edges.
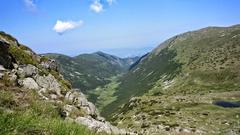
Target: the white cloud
(30, 4)
(63, 26)
(96, 6)
(110, 2)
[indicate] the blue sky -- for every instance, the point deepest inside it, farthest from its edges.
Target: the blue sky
(120, 27)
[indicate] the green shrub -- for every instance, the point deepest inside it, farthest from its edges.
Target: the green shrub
(21, 56)
(23, 47)
(44, 59)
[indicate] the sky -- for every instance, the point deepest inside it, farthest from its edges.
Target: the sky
(119, 27)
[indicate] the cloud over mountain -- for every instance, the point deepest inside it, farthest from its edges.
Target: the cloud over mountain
(62, 26)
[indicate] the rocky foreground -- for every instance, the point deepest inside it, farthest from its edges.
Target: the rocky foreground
(22, 68)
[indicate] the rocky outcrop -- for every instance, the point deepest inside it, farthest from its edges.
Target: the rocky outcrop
(50, 64)
(49, 82)
(75, 104)
(92, 120)
(27, 71)
(32, 72)
(5, 57)
(99, 126)
(28, 83)
(78, 99)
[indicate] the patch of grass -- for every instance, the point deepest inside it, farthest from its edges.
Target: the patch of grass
(44, 59)
(21, 56)
(7, 99)
(5, 79)
(23, 113)
(29, 123)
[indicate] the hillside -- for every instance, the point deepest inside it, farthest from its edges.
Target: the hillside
(174, 88)
(89, 71)
(36, 99)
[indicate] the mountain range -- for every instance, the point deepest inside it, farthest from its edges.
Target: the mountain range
(89, 71)
(189, 84)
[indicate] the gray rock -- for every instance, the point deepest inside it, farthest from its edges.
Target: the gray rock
(50, 64)
(90, 109)
(15, 66)
(2, 68)
(28, 83)
(12, 77)
(78, 99)
(68, 109)
(27, 71)
(41, 93)
(99, 127)
(53, 96)
(49, 83)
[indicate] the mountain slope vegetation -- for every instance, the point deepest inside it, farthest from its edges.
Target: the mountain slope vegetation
(89, 71)
(173, 88)
(36, 99)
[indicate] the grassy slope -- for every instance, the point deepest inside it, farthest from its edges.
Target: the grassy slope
(104, 95)
(198, 62)
(22, 112)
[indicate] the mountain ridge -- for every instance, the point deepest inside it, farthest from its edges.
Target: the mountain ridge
(190, 70)
(89, 71)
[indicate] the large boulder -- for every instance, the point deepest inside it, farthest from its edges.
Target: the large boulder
(28, 83)
(99, 127)
(27, 71)
(49, 83)
(78, 99)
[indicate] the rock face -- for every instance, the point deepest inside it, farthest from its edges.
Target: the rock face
(27, 71)
(5, 56)
(28, 83)
(98, 126)
(50, 64)
(79, 100)
(48, 82)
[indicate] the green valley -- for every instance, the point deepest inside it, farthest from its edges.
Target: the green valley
(89, 71)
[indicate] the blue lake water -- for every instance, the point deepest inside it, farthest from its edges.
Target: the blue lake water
(227, 104)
